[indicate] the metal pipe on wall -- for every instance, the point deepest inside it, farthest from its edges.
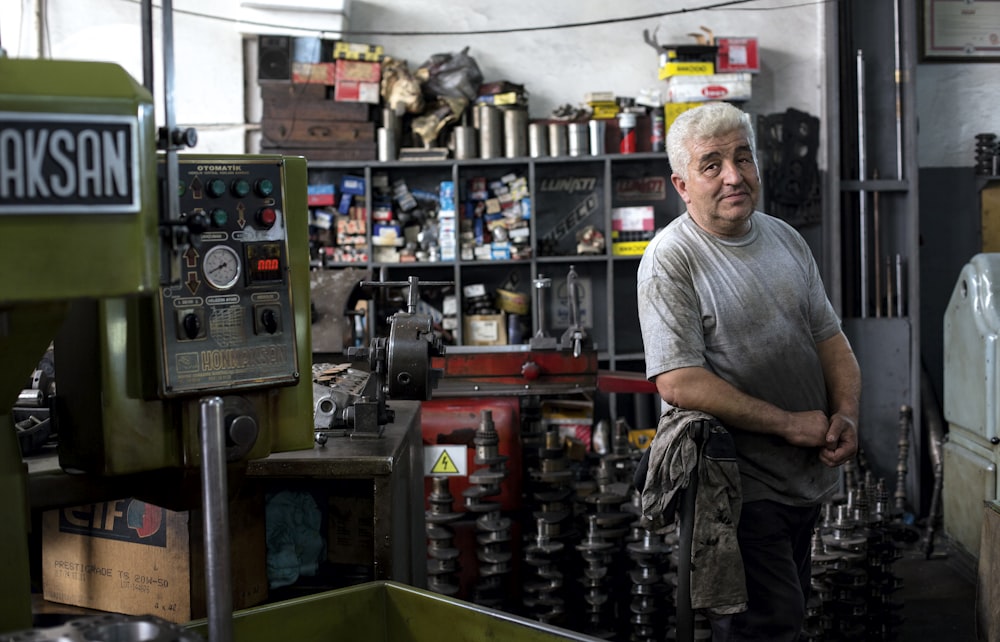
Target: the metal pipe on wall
(862, 195)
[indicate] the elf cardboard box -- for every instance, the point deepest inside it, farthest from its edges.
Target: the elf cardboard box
(128, 556)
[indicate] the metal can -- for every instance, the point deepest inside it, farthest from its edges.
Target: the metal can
(538, 140)
(490, 132)
(597, 133)
(657, 136)
(515, 122)
(626, 124)
(557, 139)
(577, 135)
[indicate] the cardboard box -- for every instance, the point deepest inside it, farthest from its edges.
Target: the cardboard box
(688, 89)
(358, 51)
(672, 110)
(357, 92)
(314, 73)
(631, 229)
(128, 556)
(358, 70)
(737, 54)
(484, 329)
(669, 68)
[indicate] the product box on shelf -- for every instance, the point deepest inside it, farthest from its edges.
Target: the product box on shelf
(484, 329)
(318, 73)
(686, 89)
(631, 229)
(358, 70)
(320, 195)
(129, 556)
(737, 54)
(357, 91)
(358, 51)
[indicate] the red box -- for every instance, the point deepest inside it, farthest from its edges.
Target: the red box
(737, 54)
(358, 70)
(357, 92)
(454, 421)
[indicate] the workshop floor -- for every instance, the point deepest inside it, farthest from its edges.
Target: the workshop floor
(938, 596)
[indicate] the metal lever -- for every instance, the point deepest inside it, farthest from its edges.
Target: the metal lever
(575, 334)
(541, 340)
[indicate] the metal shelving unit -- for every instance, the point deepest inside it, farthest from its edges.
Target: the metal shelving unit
(614, 317)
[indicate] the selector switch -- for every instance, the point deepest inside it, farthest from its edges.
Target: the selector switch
(267, 319)
(190, 325)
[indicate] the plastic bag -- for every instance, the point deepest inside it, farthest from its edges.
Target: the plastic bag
(451, 75)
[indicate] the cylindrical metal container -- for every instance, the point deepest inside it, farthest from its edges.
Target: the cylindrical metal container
(490, 132)
(597, 132)
(538, 140)
(557, 139)
(465, 142)
(577, 139)
(392, 122)
(386, 144)
(515, 133)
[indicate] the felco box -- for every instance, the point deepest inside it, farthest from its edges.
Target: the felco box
(128, 556)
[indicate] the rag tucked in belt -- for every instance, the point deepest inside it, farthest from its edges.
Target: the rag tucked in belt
(687, 442)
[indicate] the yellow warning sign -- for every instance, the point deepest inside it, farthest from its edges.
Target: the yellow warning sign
(444, 465)
(446, 460)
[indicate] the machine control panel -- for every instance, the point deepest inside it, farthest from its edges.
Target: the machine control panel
(229, 323)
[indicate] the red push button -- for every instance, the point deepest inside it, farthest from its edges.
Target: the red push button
(266, 216)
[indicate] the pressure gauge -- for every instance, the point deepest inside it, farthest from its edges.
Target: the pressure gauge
(221, 266)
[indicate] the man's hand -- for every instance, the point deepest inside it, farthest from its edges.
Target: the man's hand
(841, 440)
(807, 429)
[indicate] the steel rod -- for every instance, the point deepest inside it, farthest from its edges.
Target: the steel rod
(862, 195)
(215, 511)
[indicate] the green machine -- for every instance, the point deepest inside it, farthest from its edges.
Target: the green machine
(149, 313)
(78, 217)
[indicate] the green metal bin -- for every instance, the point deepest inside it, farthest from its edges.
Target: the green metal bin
(385, 612)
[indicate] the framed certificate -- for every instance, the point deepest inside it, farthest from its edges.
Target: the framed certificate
(960, 30)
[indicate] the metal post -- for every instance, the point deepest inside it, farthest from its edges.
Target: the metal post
(215, 509)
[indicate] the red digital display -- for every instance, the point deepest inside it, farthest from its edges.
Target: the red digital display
(264, 262)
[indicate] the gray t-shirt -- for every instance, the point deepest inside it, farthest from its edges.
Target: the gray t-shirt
(750, 310)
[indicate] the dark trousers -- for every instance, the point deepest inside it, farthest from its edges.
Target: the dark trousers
(775, 543)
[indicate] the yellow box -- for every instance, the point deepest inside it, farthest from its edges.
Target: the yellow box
(358, 51)
(629, 248)
(674, 68)
(672, 110)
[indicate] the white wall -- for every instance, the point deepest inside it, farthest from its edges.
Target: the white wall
(557, 65)
(955, 101)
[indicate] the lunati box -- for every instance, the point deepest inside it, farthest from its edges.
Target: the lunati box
(128, 556)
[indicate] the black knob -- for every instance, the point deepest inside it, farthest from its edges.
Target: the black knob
(197, 222)
(241, 431)
(995, 440)
(192, 325)
(269, 320)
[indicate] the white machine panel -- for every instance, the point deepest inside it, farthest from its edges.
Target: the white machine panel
(971, 330)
